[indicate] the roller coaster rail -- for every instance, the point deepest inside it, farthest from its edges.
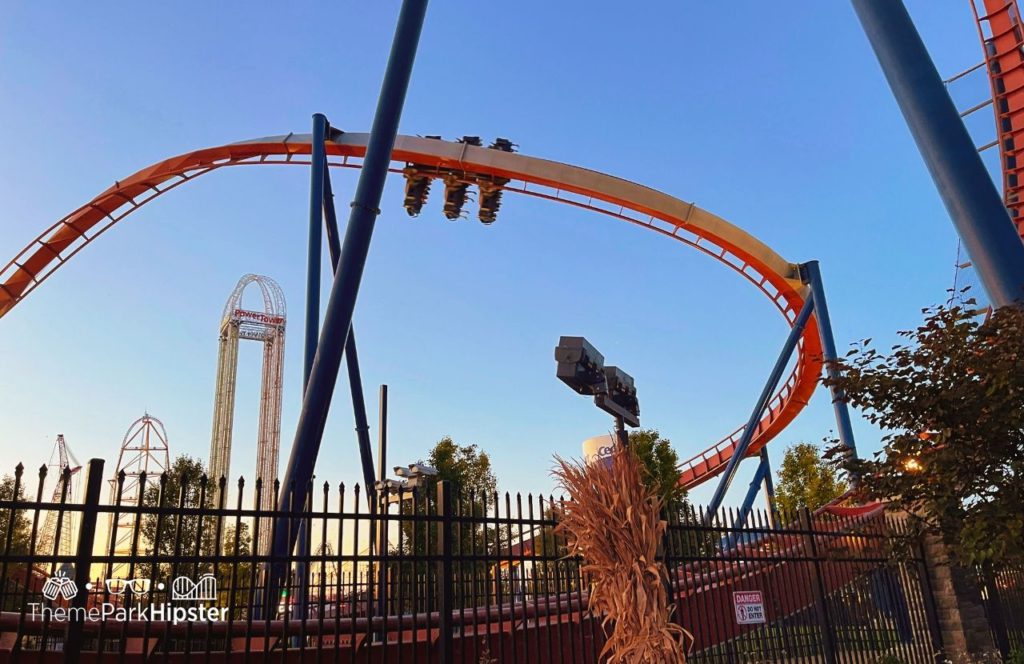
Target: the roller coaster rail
(779, 280)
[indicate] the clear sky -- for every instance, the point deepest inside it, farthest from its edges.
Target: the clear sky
(774, 116)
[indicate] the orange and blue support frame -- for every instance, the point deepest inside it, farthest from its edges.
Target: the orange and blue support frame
(816, 305)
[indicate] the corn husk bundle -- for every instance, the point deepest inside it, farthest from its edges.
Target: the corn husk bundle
(613, 522)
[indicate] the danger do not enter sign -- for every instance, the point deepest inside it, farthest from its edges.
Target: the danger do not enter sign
(749, 606)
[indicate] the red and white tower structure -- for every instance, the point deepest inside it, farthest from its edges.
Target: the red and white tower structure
(267, 327)
(144, 457)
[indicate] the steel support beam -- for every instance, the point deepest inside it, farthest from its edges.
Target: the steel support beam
(740, 452)
(382, 433)
(968, 192)
(318, 168)
(355, 380)
(330, 223)
(811, 274)
(764, 471)
(769, 489)
(382, 504)
(762, 477)
(344, 291)
(318, 173)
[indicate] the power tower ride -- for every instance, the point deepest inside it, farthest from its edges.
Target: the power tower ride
(144, 457)
(267, 327)
(64, 468)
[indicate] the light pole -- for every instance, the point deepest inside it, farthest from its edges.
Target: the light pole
(581, 367)
(413, 476)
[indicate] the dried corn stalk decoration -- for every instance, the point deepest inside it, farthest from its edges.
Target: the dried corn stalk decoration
(614, 522)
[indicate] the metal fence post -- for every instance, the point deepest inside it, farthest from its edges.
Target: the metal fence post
(928, 595)
(994, 609)
(83, 558)
(445, 578)
(828, 644)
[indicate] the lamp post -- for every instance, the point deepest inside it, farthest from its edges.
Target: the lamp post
(581, 367)
(413, 476)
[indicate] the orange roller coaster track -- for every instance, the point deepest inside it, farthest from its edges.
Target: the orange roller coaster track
(1002, 37)
(777, 278)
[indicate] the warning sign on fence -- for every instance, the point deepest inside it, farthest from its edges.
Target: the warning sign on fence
(749, 605)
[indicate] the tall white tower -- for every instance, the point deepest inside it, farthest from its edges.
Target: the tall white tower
(267, 327)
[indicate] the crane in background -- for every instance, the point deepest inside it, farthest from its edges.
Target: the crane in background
(57, 534)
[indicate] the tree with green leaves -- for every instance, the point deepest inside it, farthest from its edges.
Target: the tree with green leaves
(950, 401)
(468, 469)
(233, 576)
(660, 464)
(806, 480)
(466, 466)
(182, 484)
(14, 523)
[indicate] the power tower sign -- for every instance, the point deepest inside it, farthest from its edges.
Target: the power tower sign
(266, 327)
(749, 606)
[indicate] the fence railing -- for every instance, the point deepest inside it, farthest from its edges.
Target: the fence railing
(182, 567)
(1002, 595)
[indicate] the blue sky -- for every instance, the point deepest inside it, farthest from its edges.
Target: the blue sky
(773, 115)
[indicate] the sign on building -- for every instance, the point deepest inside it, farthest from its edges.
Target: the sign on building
(749, 605)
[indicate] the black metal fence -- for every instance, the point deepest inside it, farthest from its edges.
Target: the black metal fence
(430, 576)
(1002, 596)
(827, 588)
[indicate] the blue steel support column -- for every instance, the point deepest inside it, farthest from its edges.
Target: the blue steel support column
(967, 190)
(769, 488)
(762, 477)
(318, 165)
(355, 380)
(812, 277)
(318, 168)
(341, 303)
(755, 417)
(763, 471)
